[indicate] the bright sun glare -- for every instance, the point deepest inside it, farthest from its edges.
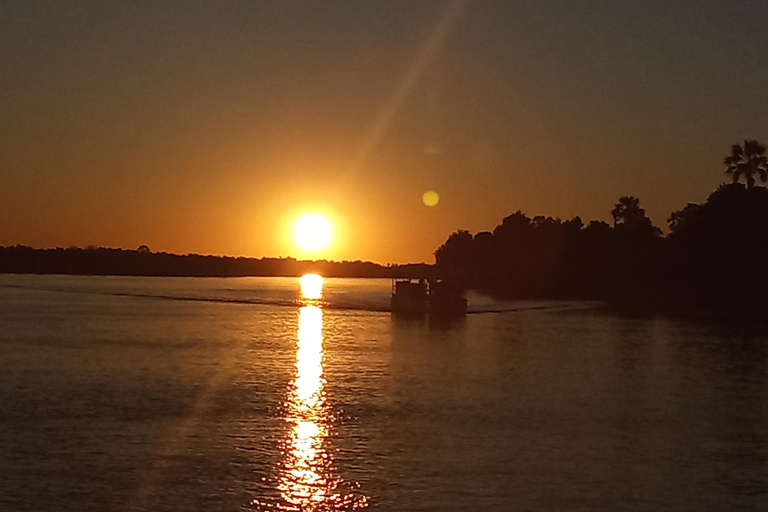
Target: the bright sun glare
(311, 286)
(312, 232)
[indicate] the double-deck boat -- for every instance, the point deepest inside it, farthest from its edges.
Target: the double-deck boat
(419, 297)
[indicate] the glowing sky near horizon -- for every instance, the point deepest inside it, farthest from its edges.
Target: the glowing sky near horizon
(209, 127)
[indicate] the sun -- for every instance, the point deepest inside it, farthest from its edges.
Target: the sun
(312, 232)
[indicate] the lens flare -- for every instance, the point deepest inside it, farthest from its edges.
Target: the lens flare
(430, 198)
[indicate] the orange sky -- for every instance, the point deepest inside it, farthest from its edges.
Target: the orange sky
(208, 129)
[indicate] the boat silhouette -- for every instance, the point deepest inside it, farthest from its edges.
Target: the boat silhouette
(433, 297)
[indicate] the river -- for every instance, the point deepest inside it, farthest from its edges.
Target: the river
(187, 394)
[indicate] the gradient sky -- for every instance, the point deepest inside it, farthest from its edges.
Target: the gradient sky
(207, 127)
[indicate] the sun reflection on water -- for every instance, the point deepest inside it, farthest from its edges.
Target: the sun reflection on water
(307, 481)
(303, 484)
(311, 286)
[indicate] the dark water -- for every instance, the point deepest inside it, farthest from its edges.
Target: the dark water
(129, 403)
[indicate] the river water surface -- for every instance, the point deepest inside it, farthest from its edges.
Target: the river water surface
(180, 394)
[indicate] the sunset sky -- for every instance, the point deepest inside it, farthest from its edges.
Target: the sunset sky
(210, 127)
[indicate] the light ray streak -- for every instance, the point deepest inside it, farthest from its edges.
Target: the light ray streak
(394, 104)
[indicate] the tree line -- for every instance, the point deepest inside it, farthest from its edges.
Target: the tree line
(20, 259)
(714, 255)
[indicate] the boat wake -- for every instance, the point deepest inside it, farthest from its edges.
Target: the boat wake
(476, 307)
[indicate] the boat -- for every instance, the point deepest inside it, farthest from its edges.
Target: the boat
(418, 297)
(410, 297)
(446, 299)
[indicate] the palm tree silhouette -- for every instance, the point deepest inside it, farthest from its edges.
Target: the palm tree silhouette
(747, 160)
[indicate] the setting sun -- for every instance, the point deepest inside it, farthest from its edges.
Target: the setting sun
(312, 232)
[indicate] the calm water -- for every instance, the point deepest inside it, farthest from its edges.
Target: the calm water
(166, 394)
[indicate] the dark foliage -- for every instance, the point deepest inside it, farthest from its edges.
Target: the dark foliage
(102, 261)
(542, 257)
(717, 250)
(748, 160)
(713, 259)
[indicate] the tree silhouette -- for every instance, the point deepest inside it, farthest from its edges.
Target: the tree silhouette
(629, 219)
(627, 211)
(708, 241)
(455, 255)
(747, 160)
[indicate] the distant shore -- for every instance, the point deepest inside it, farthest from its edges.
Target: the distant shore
(19, 259)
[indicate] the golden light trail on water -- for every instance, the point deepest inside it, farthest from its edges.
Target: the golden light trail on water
(311, 286)
(307, 481)
(304, 484)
